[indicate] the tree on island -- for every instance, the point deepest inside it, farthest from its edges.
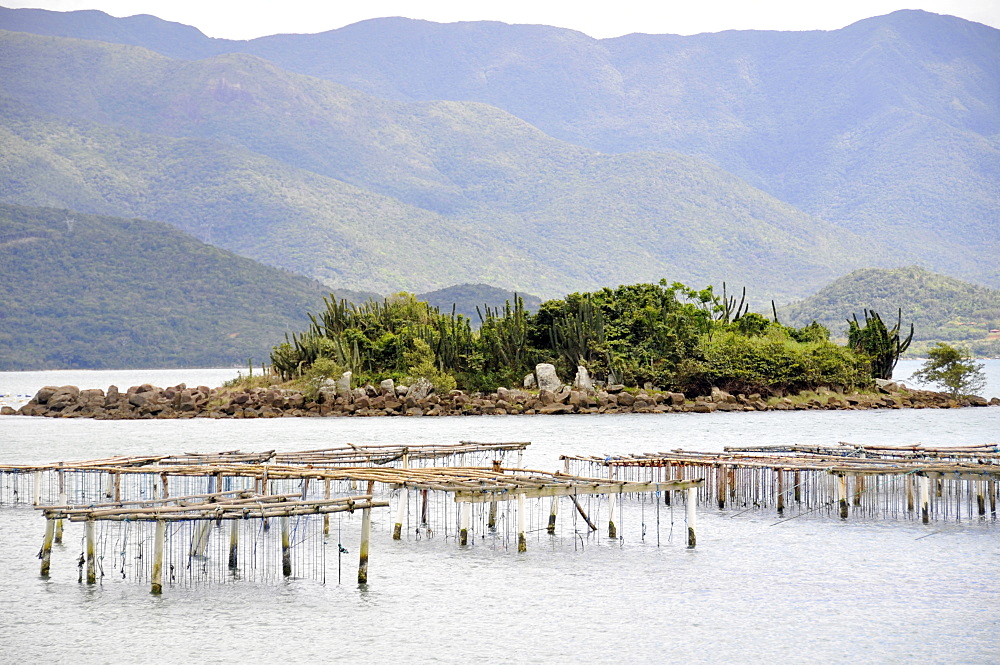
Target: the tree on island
(953, 369)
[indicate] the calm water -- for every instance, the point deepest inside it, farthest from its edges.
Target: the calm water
(753, 591)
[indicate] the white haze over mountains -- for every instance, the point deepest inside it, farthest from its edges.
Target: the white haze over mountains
(256, 18)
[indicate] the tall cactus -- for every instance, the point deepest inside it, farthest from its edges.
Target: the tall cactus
(882, 345)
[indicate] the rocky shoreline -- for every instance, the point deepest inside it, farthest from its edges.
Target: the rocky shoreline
(148, 401)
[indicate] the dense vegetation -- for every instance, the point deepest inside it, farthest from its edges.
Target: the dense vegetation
(887, 127)
(670, 336)
(942, 308)
(317, 178)
(83, 291)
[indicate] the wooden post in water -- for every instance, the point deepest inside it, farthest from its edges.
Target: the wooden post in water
(463, 534)
(157, 572)
(91, 554)
(925, 490)
(798, 487)
(63, 500)
(981, 496)
(36, 489)
(234, 543)
(118, 486)
(909, 493)
(366, 533)
(991, 489)
(286, 548)
(553, 507)
(859, 489)
(46, 554)
(491, 523)
(780, 475)
(397, 530)
(612, 531)
(692, 501)
(522, 541)
(423, 507)
(842, 495)
(166, 488)
(723, 475)
(326, 516)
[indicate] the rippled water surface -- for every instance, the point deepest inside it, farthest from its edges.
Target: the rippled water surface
(754, 590)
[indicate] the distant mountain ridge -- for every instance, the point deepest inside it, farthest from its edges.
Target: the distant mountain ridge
(888, 127)
(368, 194)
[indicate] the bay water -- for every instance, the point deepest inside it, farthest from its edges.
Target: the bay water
(756, 589)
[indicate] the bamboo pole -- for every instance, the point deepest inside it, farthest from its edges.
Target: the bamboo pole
(780, 476)
(463, 534)
(157, 571)
(612, 530)
(46, 554)
(692, 500)
(522, 542)
(91, 554)
(326, 518)
(925, 483)
(286, 549)
(234, 542)
(366, 531)
(842, 495)
(553, 508)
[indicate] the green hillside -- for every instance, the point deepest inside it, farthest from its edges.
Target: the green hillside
(941, 308)
(368, 194)
(887, 127)
(465, 298)
(85, 291)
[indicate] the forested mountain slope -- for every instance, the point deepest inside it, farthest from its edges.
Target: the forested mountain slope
(369, 194)
(887, 127)
(87, 291)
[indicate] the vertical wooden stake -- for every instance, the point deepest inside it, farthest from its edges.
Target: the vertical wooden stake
(157, 572)
(991, 489)
(118, 486)
(553, 508)
(859, 489)
(166, 488)
(723, 475)
(981, 497)
(91, 554)
(463, 534)
(46, 553)
(326, 516)
(909, 493)
(780, 475)
(925, 490)
(286, 549)
(234, 543)
(842, 495)
(397, 530)
(612, 530)
(366, 532)
(36, 489)
(522, 542)
(692, 501)
(63, 500)
(423, 508)
(798, 487)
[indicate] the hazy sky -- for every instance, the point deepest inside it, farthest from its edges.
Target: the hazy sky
(253, 18)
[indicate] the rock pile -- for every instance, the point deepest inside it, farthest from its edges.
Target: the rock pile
(147, 401)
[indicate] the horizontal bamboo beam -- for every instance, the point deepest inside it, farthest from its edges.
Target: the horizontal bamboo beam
(487, 495)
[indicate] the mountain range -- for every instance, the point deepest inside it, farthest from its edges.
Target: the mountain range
(400, 154)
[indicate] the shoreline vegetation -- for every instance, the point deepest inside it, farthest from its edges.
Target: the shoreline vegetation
(642, 348)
